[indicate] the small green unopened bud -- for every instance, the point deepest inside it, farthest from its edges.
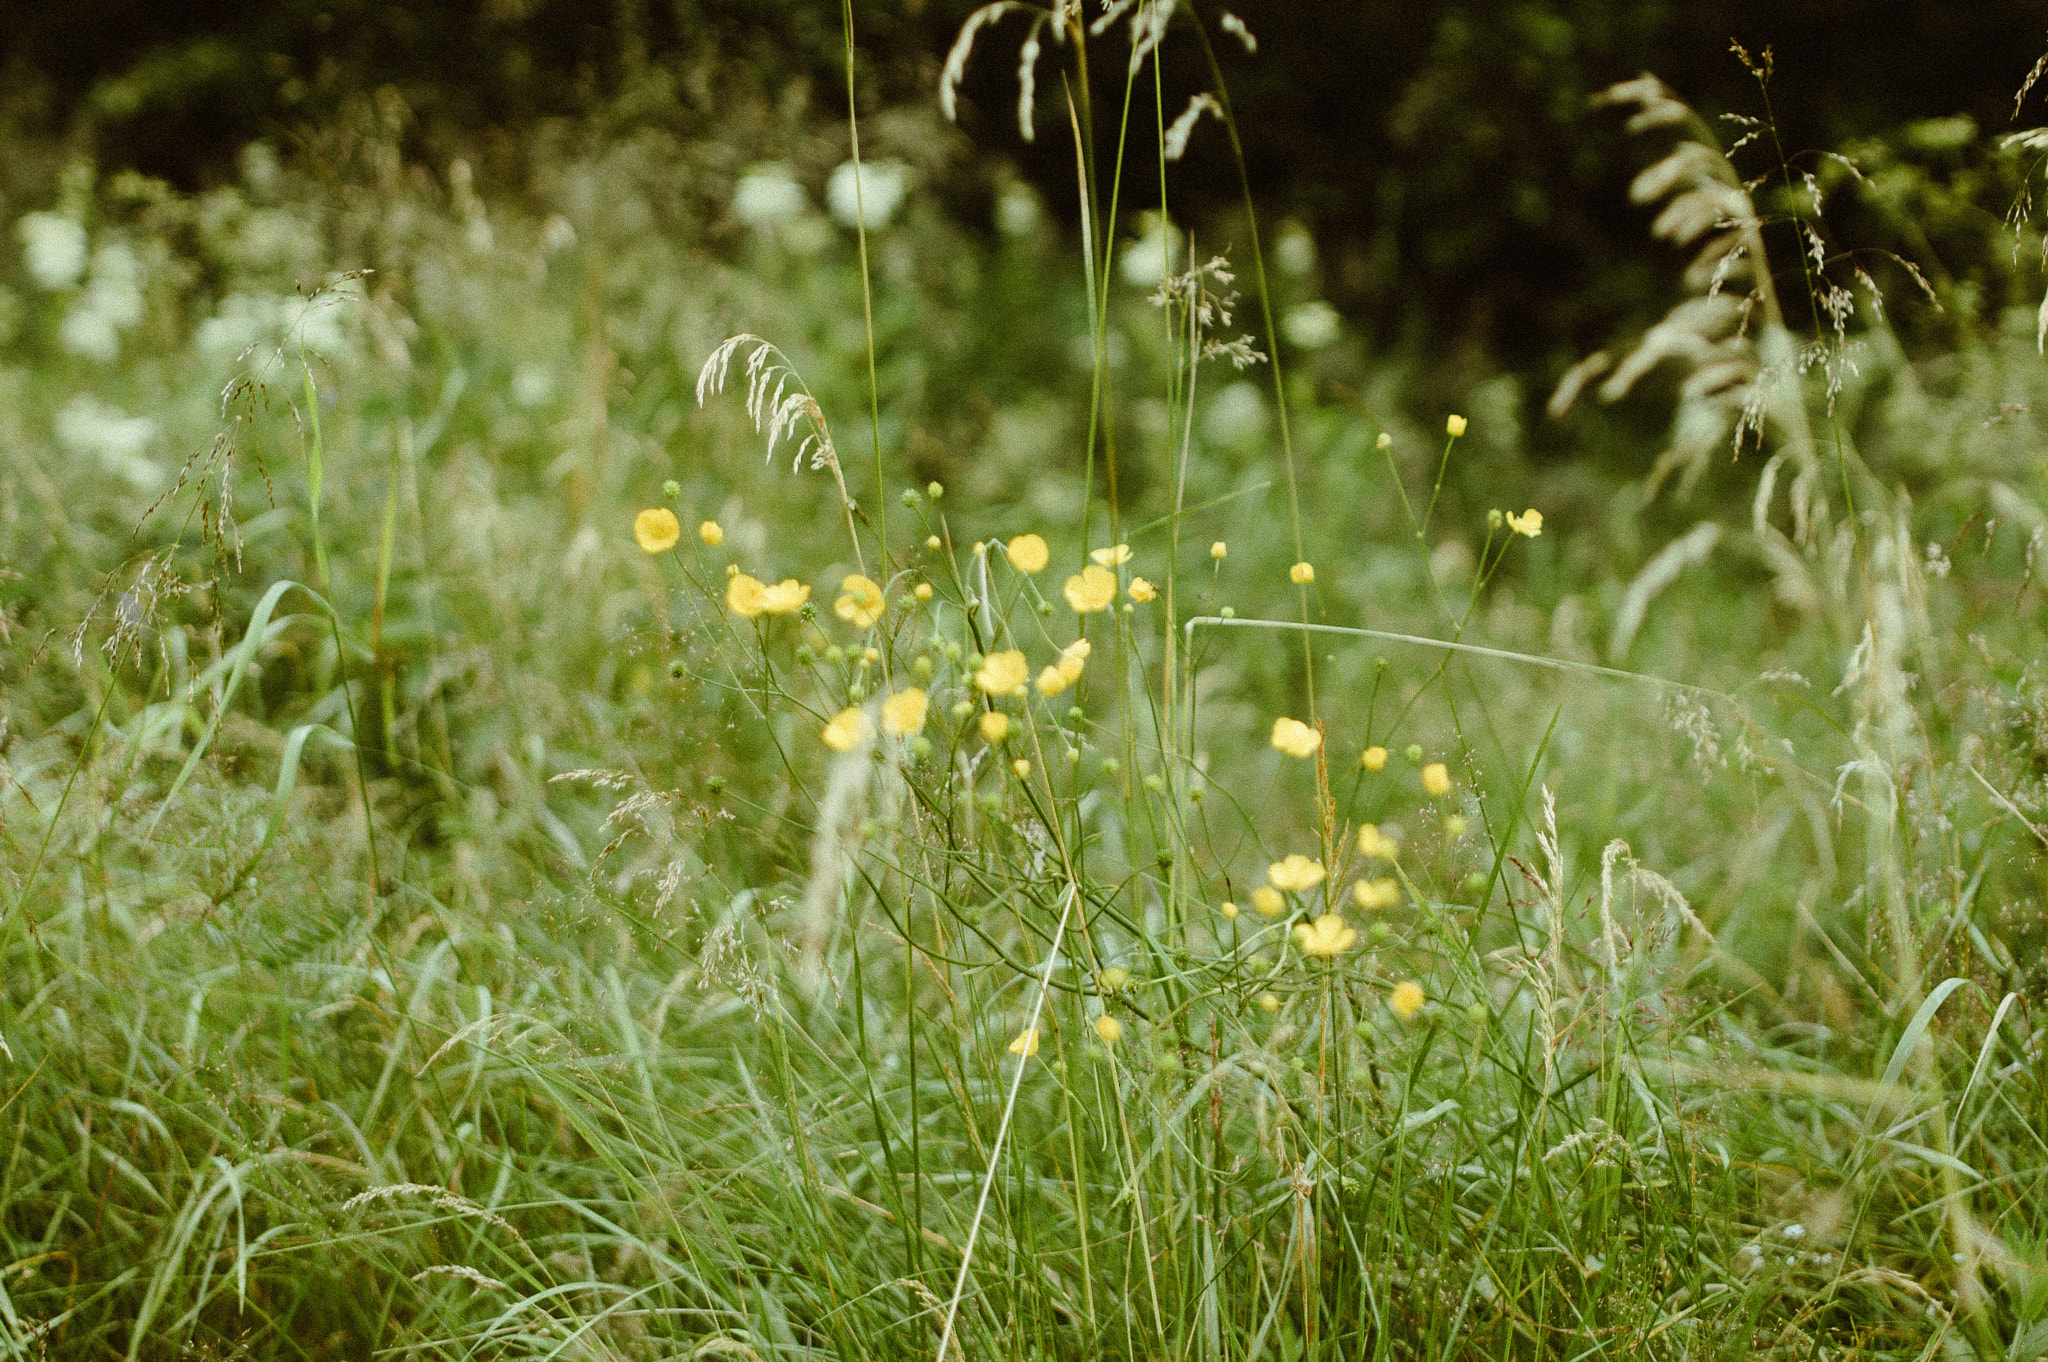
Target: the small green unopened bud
(716, 784)
(1414, 753)
(912, 498)
(671, 489)
(920, 747)
(1379, 933)
(1477, 1014)
(1155, 782)
(835, 654)
(1111, 766)
(804, 655)
(934, 490)
(1227, 613)
(922, 666)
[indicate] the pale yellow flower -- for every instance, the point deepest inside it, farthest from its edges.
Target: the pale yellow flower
(1454, 826)
(1454, 426)
(1003, 673)
(923, 591)
(1111, 557)
(1436, 780)
(994, 725)
(656, 529)
(1051, 681)
(1028, 553)
(1375, 894)
(1386, 441)
(1268, 901)
(1377, 845)
(1328, 935)
(1091, 589)
(1529, 522)
(903, 713)
(1141, 590)
(1270, 1002)
(712, 533)
(1108, 1029)
(784, 597)
(1295, 873)
(1026, 1043)
(1375, 758)
(931, 541)
(1219, 549)
(848, 730)
(1301, 574)
(745, 596)
(1406, 999)
(1021, 767)
(1229, 911)
(1296, 738)
(1114, 978)
(860, 601)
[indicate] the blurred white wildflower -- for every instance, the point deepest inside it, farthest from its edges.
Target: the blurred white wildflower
(883, 185)
(88, 428)
(1312, 325)
(318, 324)
(261, 170)
(768, 195)
(556, 234)
(1018, 210)
(110, 304)
(533, 384)
(54, 249)
(1295, 251)
(1236, 415)
(1154, 255)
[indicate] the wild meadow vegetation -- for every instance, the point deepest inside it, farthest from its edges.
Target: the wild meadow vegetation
(687, 759)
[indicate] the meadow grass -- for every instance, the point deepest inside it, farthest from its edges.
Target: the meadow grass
(495, 868)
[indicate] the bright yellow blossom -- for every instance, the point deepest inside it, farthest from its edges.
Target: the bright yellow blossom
(1301, 574)
(1028, 553)
(994, 726)
(1268, 901)
(931, 541)
(1296, 738)
(903, 713)
(1529, 522)
(1436, 780)
(1229, 911)
(1026, 1043)
(1296, 873)
(1091, 589)
(1454, 426)
(784, 597)
(1377, 845)
(656, 529)
(1141, 590)
(1375, 758)
(712, 533)
(1067, 670)
(745, 596)
(1003, 673)
(1110, 557)
(923, 591)
(848, 730)
(1406, 999)
(1328, 935)
(1108, 1029)
(1051, 681)
(1373, 894)
(860, 601)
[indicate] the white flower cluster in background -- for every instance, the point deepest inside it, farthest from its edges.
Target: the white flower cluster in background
(323, 324)
(88, 428)
(873, 191)
(53, 247)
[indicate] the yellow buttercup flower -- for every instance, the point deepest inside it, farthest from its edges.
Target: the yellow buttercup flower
(1067, 670)
(1375, 758)
(1375, 894)
(1327, 935)
(1110, 557)
(1377, 845)
(1051, 681)
(745, 596)
(923, 591)
(1296, 873)
(1026, 1043)
(1296, 738)
(860, 601)
(784, 597)
(1436, 780)
(1454, 426)
(1529, 522)
(1091, 589)
(1406, 999)
(1141, 590)
(848, 730)
(1268, 901)
(931, 541)
(1003, 672)
(1301, 574)
(1219, 549)
(994, 726)
(1028, 553)
(656, 529)
(1021, 767)
(712, 533)
(1229, 911)
(903, 713)
(1108, 1029)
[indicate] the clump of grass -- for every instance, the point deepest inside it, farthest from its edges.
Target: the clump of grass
(859, 920)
